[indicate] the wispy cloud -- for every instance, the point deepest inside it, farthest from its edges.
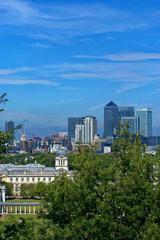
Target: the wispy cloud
(12, 10)
(57, 22)
(40, 45)
(97, 107)
(124, 57)
(24, 76)
(13, 81)
(71, 100)
(65, 88)
(127, 75)
(130, 86)
(15, 70)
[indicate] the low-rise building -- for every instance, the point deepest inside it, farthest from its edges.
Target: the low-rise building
(33, 173)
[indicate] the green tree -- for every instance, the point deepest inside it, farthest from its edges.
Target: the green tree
(111, 197)
(9, 188)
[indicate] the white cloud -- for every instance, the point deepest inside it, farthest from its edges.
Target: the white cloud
(124, 57)
(97, 107)
(15, 70)
(12, 81)
(125, 75)
(40, 45)
(71, 100)
(68, 88)
(61, 22)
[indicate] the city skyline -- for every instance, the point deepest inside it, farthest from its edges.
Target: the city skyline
(112, 119)
(69, 59)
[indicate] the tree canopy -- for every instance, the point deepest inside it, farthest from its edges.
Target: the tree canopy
(114, 196)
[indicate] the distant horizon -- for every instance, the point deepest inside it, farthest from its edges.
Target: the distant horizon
(44, 131)
(49, 131)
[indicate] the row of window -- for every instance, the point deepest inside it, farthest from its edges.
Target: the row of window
(31, 179)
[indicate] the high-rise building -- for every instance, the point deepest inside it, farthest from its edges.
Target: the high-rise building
(90, 125)
(144, 121)
(80, 133)
(9, 126)
(126, 111)
(131, 122)
(111, 111)
(72, 122)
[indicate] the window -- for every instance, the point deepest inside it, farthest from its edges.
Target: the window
(33, 179)
(49, 179)
(44, 179)
(11, 179)
(27, 179)
(22, 179)
(16, 179)
(38, 179)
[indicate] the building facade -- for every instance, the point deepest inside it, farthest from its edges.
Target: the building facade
(9, 126)
(72, 122)
(80, 133)
(144, 121)
(90, 126)
(111, 117)
(126, 111)
(33, 173)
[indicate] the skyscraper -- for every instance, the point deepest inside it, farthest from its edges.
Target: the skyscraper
(126, 111)
(9, 126)
(72, 122)
(111, 111)
(80, 133)
(90, 125)
(144, 121)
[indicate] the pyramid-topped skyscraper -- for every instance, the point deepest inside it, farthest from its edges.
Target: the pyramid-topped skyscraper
(111, 111)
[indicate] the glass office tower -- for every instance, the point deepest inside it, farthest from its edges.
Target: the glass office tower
(144, 121)
(126, 111)
(111, 116)
(72, 122)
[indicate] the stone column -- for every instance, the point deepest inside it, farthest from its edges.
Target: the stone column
(25, 209)
(3, 193)
(20, 209)
(34, 209)
(6, 209)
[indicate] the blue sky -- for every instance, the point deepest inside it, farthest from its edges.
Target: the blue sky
(69, 58)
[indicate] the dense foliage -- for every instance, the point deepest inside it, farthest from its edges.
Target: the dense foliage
(34, 190)
(47, 159)
(112, 196)
(9, 188)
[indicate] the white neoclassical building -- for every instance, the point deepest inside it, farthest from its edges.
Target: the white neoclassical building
(33, 173)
